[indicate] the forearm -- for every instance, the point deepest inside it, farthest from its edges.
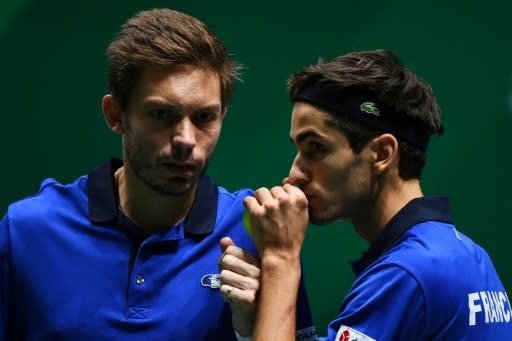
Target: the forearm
(278, 296)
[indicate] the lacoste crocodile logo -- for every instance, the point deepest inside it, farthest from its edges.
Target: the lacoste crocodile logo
(370, 108)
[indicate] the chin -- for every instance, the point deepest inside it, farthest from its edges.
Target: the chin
(173, 187)
(173, 191)
(318, 220)
(324, 218)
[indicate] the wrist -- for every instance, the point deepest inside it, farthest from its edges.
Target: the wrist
(281, 265)
(276, 259)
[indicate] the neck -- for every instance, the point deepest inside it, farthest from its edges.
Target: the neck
(150, 211)
(389, 200)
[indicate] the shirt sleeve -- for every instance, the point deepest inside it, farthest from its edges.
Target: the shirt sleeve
(385, 303)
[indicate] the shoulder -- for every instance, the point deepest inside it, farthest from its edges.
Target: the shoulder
(447, 265)
(382, 297)
(238, 194)
(433, 250)
(426, 256)
(230, 211)
(231, 203)
(228, 201)
(384, 278)
(52, 197)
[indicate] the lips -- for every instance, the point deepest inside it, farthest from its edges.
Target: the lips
(181, 168)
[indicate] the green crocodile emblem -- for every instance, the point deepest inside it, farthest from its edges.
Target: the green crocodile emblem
(370, 108)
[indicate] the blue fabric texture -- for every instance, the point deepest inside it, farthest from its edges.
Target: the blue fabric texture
(73, 267)
(424, 280)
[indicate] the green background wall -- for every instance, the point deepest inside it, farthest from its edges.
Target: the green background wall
(53, 76)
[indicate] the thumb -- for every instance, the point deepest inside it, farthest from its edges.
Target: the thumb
(225, 243)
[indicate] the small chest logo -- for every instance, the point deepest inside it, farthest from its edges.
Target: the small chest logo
(211, 281)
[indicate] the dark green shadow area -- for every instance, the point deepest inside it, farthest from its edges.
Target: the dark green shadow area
(9, 11)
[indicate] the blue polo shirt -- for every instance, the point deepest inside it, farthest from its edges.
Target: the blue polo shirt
(73, 267)
(423, 279)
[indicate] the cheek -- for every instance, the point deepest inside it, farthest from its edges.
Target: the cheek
(342, 181)
(208, 140)
(144, 143)
(357, 184)
(332, 177)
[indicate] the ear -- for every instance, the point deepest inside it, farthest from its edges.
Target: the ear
(385, 149)
(112, 113)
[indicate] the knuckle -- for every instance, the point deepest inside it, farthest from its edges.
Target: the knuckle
(253, 296)
(229, 250)
(279, 193)
(258, 214)
(223, 289)
(223, 276)
(255, 274)
(254, 285)
(276, 190)
(271, 206)
(229, 260)
(260, 190)
(302, 200)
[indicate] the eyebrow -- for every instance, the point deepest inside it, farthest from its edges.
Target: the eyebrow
(217, 108)
(159, 103)
(303, 136)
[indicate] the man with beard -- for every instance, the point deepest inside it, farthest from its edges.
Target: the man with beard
(129, 252)
(361, 125)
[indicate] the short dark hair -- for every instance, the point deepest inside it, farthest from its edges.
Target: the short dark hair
(160, 38)
(394, 85)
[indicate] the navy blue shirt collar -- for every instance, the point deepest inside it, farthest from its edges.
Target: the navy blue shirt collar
(419, 210)
(104, 200)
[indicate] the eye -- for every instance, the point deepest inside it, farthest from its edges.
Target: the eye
(317, 147)
(314, 149)
(159, 114)
(205, 117)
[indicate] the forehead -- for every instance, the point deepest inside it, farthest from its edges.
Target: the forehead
(182, 83)
(309, 120)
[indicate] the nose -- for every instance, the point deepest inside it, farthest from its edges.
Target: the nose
(184, 135)
(298, 175)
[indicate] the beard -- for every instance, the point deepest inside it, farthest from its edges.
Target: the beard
(139, 154)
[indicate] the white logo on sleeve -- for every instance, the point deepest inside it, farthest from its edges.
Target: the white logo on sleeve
(348, 334)
(492, 306)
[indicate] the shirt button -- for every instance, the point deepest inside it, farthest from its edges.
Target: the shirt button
(140, 280)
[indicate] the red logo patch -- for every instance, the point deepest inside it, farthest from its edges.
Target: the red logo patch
(345, 336)
(346, 333)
